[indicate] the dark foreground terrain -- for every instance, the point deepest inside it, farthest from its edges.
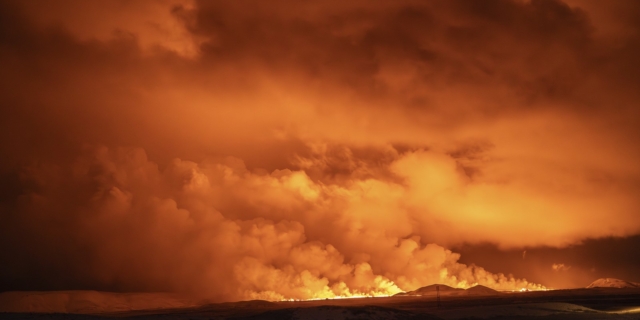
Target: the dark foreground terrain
(595, 303)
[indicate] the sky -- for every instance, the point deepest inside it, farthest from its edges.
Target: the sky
(277, 150)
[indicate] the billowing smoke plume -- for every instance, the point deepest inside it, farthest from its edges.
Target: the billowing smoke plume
(219, 230)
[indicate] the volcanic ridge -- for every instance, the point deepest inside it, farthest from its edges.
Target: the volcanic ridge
(613, 283)
(432, 290)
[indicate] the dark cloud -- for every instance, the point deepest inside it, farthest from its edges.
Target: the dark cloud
(536, 50)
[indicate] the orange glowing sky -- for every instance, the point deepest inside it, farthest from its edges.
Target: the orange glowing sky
(294, 150)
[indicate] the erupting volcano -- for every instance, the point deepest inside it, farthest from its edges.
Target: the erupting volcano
(191, 153)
